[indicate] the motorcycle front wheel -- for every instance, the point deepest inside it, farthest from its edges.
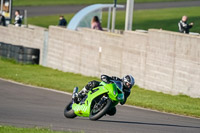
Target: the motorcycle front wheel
(100, 107)
(68, 112)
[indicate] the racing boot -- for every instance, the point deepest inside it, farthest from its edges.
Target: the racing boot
(112, 111)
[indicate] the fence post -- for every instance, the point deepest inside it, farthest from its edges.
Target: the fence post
(45, 48)
(129, 15)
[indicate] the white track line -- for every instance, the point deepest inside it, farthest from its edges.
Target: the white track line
(42, 88)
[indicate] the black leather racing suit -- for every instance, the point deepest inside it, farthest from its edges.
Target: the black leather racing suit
(126, 91)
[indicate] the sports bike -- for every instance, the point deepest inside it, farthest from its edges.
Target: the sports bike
(98, 102)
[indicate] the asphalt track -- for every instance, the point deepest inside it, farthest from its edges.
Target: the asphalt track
(65, 9)
(27, 106)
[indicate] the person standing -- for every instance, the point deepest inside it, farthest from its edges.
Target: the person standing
(62, 21)
(184, 27)
(2, 20)
(95, 23)
(18, 19)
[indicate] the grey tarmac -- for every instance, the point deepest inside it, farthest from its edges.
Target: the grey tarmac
(27, 106)
(66, 9)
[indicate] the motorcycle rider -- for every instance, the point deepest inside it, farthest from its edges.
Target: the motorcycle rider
(128, 82)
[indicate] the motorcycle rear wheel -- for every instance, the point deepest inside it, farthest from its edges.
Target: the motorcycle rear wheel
(68, 112)
(95, 115)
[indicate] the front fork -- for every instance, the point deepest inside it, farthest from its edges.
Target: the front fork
(102, 101)
(74, 95)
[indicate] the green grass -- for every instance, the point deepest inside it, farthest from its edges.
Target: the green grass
(45, 21)
(179, 104)
(75, 2)
(166, 19)
(11, 129)
(42, 76)
(46, 77)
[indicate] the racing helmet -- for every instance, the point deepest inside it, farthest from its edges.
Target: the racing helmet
(128, 81)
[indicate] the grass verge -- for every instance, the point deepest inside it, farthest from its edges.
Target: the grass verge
(46, 77)
(76, 2)
(166, 19)
(41, 76)
(11, 129)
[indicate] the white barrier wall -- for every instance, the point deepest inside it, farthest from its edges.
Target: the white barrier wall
(159, 60)
(29, 37)
(173, 63)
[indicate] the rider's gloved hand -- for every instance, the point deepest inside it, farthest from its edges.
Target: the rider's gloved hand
(105, 78)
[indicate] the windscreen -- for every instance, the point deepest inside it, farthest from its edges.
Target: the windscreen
(86, 21)
(119, 85)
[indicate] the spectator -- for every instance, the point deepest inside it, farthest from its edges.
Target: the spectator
(2, 20)
(18, 19)
(62, 21)
(95, 23)
(183, 26)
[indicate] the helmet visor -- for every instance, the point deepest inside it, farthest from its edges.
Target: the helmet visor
(128, 85)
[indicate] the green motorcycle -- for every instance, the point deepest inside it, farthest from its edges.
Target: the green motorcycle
(97, 102)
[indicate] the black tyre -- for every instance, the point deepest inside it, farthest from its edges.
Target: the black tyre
(18, 49)
(5, 46)
(99, 111)
(12, 55)
(112, 111)
(31, 51)
(68, 112)
(1, 52)
(4, 54)
(20, 57)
